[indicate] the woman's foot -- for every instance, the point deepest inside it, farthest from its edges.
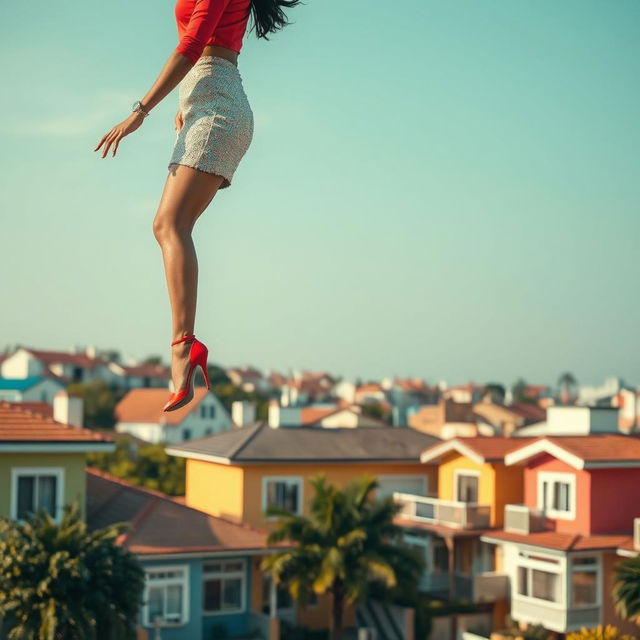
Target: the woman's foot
(180, 364)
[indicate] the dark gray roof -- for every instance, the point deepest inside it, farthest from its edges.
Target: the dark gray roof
(258, 442)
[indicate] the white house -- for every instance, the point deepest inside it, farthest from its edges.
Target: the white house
(70, 366)
(140, 414)
(139, 376)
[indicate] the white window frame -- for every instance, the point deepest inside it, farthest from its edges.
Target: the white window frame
(17, 472)
(556, 565)
(408, 476)
(464, 472)
(164, 582)
(293, 479)
(240, 573)
(597, 564)
(558, 476)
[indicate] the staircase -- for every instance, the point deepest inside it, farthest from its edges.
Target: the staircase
(378, 615)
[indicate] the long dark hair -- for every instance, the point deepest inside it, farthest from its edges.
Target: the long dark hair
(268, 15)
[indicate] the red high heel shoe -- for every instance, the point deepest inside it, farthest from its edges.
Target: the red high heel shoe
(197, 358)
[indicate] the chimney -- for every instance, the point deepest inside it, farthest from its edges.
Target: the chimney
(243, 412)
(274, 414)
(91, 351)
(68, 409)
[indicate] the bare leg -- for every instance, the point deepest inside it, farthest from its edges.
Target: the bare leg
(187, 193)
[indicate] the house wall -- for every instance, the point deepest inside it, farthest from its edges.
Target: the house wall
(614, 515)
(21, 364)
(582, 522)
(447, 484)
(336, 473)
(509, 489)
(216, 489)
(74, 482)
(149, 431)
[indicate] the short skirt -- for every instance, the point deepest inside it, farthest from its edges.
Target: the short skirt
(218, 120)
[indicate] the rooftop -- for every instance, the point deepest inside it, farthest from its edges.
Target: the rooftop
(258, 442)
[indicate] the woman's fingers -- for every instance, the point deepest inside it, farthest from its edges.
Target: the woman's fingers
(110, 140)
(117, 142)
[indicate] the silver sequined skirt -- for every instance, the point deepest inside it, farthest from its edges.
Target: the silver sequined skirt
(218, 120)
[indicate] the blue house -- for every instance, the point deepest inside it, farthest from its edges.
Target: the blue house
(201, 570)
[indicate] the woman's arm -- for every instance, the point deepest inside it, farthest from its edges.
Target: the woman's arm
(174, 70)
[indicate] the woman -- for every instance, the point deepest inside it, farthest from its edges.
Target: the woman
(214, 127)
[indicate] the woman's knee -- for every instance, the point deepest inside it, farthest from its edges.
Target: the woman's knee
(168, 228)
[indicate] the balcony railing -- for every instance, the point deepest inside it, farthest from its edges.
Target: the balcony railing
(636, 533)
(521, 519)
(459, 515)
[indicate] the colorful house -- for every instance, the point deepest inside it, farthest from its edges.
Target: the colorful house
(42, 462)
(561, 542)
(236, 474)
(474, 485)
(140, 414)
(202, 572)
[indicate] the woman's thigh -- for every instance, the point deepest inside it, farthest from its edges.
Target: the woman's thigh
(187, 193)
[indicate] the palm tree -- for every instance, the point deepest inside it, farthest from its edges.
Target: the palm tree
(567, 386)
(347, 545)
(62, 582)
(626, 588)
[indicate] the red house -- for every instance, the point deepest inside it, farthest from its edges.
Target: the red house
(560, 547)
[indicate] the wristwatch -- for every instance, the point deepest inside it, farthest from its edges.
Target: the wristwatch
(137, 106)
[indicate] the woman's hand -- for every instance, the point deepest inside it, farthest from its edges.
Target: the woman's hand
(118, 132)
(179, 121)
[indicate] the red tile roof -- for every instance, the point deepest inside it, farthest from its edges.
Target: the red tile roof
(160, 524)
(599, 448)
(64, 357)
(489, 448)
(41, 408)
(563, 541)
(21, 425)
(529, 411)
(146, 370)
(145, 405)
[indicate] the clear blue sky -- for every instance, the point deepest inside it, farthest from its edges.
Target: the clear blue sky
(438, 189)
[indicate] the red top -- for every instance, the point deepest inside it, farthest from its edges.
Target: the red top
(203, 22)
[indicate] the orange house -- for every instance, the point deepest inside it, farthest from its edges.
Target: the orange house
(237, 473)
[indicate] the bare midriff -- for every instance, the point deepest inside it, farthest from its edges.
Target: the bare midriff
(222, 52)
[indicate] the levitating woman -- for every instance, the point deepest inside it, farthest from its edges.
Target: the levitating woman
(214, 127)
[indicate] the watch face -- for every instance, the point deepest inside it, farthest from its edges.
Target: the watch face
(136, 105)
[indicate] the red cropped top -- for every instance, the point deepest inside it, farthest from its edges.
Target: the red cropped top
(203, 22)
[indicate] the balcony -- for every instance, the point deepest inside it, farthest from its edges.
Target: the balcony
(556, 618)
(480, 587)
(636, 534)
(525, 520)
(458, 515)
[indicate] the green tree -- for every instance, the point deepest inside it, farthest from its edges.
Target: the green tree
(63, 582)
(626, 589)
(519, 391)
(347, 544)
(147, 466)
(99, 402)
(567, 387)
(495, 391)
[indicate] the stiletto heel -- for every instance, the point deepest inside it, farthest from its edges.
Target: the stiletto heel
(198, 353)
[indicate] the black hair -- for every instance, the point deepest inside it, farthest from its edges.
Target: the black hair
(268, 15)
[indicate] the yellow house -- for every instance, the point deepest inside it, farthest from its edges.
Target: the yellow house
(237, 473)
(42, 462)
(474, 485)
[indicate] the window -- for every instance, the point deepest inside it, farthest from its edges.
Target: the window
(186, 434)
(36, 488)
(585, 578)
(208, 431)
(203, 411)
(536, 583)
(467, 486)
(224, 586)
(557, 494)
(212, 411)
(166, 595)
(285, 492)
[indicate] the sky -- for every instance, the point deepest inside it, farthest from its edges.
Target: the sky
(440, 189)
